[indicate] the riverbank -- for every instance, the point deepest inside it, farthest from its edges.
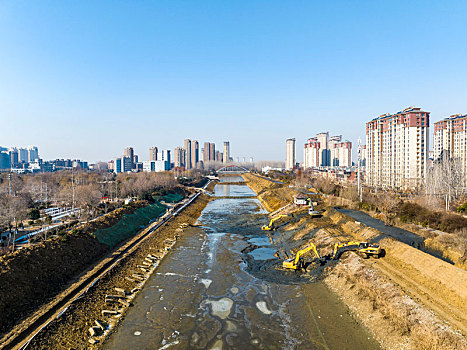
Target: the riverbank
(71, 330)
(272, 195)
(218, 289)
(407, 299)
(451, 247)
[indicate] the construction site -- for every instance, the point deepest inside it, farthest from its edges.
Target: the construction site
(406, 298)
(245, 262)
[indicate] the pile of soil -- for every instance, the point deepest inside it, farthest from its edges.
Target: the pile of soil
(34, 275)
(70, 331)
(272, 195)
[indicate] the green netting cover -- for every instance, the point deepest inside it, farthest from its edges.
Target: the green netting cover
(172, 198)
(129, 224)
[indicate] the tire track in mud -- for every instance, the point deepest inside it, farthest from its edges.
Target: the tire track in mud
(407, 282)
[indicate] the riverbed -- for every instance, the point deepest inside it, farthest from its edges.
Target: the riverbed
(212, 291)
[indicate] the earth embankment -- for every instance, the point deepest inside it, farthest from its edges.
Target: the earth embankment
(407, 299)
(272, 195)
(35, 275)
(71, 329)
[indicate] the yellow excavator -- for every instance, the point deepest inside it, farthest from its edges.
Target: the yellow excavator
(298, 262)
(365, 249)
(272, 224)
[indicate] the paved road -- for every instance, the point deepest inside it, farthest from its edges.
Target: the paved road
(395, 232)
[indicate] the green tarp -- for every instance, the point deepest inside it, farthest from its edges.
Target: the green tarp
(172, 198)
(129, 224)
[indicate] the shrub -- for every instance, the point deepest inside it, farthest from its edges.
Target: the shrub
(462, 208)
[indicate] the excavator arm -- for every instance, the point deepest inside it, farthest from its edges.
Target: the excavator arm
(297, 263)
(271, 226)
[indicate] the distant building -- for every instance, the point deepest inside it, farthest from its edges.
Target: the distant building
(219, 157)
(179, 157)
(127, 164)
(323, 154)
(163, 162)
(207, 152)
(5, 161)
(117, 165)
(23, 155)
(187, 145)
(129, 153)
(153, 154)
(194, 153)
(226, 155)
(149, 165)
(397, 149)
(290, 154)
(33, 154)
(14, 157)
(212, 152)
(450, 138)
(341, 154)
(311, 156)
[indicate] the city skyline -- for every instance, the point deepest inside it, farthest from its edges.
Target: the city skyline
(284, 72)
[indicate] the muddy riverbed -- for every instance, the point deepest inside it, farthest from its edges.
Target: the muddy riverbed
(219, 289)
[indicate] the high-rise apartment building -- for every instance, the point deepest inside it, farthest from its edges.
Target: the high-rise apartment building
(163, 162)
(33, 154)
(450, 138)
(323, 156)
(226, 155)
(323, 150)
(153, 154)
(290, 154)
(14, 157)
(194, 153)
(212, 152)
(128, 152)
(341, 154)
(179, 157)
(397, 149)
(187, 145)
(207, 152)
(23, 155)
(218, 157)
(311, 155)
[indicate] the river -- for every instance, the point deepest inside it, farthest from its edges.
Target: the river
(204, 294)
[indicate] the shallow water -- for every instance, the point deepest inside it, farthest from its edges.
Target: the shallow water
(209, 293)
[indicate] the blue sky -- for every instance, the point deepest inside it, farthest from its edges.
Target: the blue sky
(84, 79)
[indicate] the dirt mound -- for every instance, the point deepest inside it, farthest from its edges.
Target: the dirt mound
(35, 275)
(272, 195)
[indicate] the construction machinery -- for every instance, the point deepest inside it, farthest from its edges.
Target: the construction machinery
(364, 249)
(298, 262)
(273, 223)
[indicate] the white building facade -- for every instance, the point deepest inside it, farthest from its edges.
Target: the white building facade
(397, 149)
(290, 154)
(450, 137)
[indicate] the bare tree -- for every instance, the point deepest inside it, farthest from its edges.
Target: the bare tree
(446, 180)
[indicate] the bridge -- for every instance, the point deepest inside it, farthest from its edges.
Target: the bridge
(232, 169)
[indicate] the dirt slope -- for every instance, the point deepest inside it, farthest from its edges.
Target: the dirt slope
(408, 299)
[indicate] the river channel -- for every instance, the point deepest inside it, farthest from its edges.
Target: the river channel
(204, 296)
